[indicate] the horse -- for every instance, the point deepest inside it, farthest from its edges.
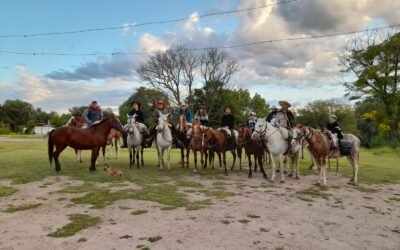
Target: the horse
(77, 121)
(216, 141)
(319, 145)
(197, 143)
(92, 138)
(252, 147)
(183, 142)
(276, 144)
(113, 139)
(163, 139)
(134, 141)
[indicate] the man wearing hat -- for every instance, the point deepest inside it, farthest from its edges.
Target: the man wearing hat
(252, 120)
(333, 126)
(160, 108)
(183, 109)
(284, 117)
(139, 119)
(227, 121)
(93, 114)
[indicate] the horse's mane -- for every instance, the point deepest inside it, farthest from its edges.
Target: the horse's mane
(102, 121)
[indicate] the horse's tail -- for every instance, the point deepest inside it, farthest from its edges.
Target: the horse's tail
(50, 147)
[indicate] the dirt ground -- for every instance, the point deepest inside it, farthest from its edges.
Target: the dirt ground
(260, 215)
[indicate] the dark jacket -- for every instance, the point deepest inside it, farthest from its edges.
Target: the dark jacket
(92, 115)
(271, 115)
(139, 115)
(335, 129)
(188, 115)
(203, 119)
(228, 120)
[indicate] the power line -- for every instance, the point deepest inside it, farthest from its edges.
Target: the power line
(203, 48)
(145, 23)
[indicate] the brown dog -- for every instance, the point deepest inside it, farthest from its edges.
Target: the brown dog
(113, 171)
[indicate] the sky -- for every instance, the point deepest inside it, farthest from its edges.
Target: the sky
(298, 71)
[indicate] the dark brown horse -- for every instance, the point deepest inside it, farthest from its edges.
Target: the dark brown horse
(92, 138)
(77, 121)
(182, 141)
(252, 147)
(217, 142)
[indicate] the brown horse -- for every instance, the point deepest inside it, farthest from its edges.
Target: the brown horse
(113, 139)
(319, 146)
(216, 141)
(92, 138)
(180, 136)
(197, 143)
(77, 121)
(252, 147)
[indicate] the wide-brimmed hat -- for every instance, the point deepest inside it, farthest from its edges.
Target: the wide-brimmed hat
(333, 116)
(161, 102)
(253, 113)
(183, 105)
(285, 102)
(138, 103)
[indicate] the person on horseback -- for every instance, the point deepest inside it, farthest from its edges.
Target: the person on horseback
(139, 119)
(183, 109)
(333, 127)
(284, 117)
(202, 116)
(252, 120)
(93, 114)
(227, 121)
(160, 108)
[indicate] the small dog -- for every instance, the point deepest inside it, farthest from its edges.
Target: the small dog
(113, 171)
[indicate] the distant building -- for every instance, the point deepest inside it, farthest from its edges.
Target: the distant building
(42, 130)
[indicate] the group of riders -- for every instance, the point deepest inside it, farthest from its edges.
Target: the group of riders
(281, 118)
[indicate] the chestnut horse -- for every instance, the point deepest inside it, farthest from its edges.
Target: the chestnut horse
(182, 141)
(114, 139)
(77, 121)
(252, 147)
(216, 141)
(92, 138)
(319, 146)
(197, 143)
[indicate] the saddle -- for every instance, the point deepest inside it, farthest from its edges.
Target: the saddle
(345, 147)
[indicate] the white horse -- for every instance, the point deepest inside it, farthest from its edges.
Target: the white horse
(133, 140)
(163, 139)
(275, 142)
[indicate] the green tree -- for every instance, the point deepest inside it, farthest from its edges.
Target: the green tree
(259, 105)
(315, 114)
(77, 110)
(30, 125)
(17, 113)
(40, 116)
(376, 67)
(147, 97)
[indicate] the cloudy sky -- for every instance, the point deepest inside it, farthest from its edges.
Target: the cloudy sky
(299, 71)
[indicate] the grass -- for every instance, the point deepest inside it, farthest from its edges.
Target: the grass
(78, 223)
(253, 216)
(86, 187)
(6, 191)
(100, 198)
(217, 193)
(366, 190)
(394, 199)
(13, 209)
(244, 221)
(27, 161)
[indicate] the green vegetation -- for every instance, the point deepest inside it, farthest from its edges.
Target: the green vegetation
(6, 191)
(244, 221)
(78, 223)
(138, 212)
(12, 209)
(314, 193)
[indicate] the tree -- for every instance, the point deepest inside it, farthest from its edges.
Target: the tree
(376, 67)
(315, 115)
(217, 66)
(146, 97)
(77, 110)
(259, 105)
(171, 72)
(17, 113)
(40, 117)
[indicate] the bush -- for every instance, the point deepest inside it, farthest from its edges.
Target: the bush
(5, 131)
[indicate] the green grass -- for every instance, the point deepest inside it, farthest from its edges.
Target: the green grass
(192, 184)
(314, 193)
(138, 212)
(6, 191)
(78, 223)
(366, 190)
(217, 193)
(253, 216)
(244, 221)
(13, 209)
(394, 199)
(86, 187)
(100, 198)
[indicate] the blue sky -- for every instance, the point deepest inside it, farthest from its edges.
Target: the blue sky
(299, 71)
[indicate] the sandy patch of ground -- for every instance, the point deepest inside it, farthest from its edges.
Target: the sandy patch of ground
(260, 215)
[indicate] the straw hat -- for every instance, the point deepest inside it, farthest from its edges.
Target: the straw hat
(285, 102)
(333, 116)
(161, 102)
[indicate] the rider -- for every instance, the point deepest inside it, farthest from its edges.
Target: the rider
(160, 109)
(139, 119)
(285, 121)
(334, 128)
(183, 109)
(252, 120)
(271, 118)
(202, 116)
(227, 121)
(93, 113)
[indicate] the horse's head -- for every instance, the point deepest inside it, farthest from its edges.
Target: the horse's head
(162, 122)
(116, 124)
(196, 128)
(259, 129)
(244, 134)
(182, 123)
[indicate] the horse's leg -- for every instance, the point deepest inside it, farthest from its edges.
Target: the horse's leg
(219, 158)
(187, 156)
(116, 147)
(249, 159)
(77, 155)
(182, 157)
(354, 164)
(281, 162)
(260, 162)
(103, 148)
(130, 149)
(137, 156)
(255, 164)
(273, 167)
(110, 151)
(234, 158)
(95, 153)
(323, 167)
(141, 153)
(195, 161)
(133, 154)
(205, 159)
(56, 154)
(224, 161)
(296, 162)
(169, 157)
(239, 153)
(337, 165)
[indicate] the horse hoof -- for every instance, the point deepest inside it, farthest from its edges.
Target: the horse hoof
(290, 175)
(265, 177)
(297, 178)
(317, 184)
(282, 181)
(250, 176)
(351, 183)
